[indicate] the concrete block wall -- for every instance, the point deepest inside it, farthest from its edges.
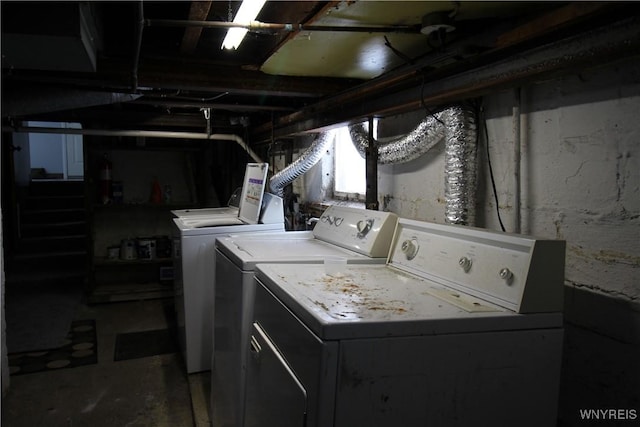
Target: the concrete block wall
(579, 169)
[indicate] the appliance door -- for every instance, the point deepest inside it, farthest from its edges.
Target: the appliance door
(275, 396)
(227, 394)
(194, 292)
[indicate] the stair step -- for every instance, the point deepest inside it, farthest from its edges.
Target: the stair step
(53, 229)
(39, 216)
(48, 261)
(43, 279)
(53, 202)
(52, 243)
(48, 187)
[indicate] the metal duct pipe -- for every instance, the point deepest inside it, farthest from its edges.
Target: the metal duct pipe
(455, 125)
(460, 166)
(428, 133)
(136, 133)
(302, 164)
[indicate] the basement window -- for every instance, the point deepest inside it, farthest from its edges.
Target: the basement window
(349, 168)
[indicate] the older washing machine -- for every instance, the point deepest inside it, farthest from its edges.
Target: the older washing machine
(461, 327)
(194, 261)
(231, 210)
(342, 234)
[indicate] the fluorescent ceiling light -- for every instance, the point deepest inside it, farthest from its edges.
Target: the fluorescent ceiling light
(248, 12)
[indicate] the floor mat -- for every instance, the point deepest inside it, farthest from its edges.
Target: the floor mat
(39, 315)
(135, 345)
(80, 348)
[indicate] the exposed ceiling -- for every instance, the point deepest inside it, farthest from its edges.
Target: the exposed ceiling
(158, 64)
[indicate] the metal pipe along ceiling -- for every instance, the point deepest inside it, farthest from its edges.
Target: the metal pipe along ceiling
(136, 133)
(455, 125)
(258, 26)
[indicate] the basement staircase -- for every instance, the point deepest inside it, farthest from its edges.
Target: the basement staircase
(52, 244)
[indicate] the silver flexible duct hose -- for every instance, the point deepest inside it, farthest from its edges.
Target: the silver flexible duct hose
(406, 148)
(301, 165)
(457, 127)
(460, 167)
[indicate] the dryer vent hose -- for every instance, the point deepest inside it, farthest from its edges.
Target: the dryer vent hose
(301, 165)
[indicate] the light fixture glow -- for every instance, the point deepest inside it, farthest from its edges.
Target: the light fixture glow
(248, 12)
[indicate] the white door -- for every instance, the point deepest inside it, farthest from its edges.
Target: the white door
(74, 155)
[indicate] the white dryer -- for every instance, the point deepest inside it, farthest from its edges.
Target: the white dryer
(462, 327)
(194, 261)
(345, 234)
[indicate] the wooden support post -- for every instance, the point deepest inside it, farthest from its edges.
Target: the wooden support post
(371, 157)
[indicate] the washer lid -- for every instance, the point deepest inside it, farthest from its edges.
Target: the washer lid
(205, 212)
(255, 179)
(223, 227)
(288, 247)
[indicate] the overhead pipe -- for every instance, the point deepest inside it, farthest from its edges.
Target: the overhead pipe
(139, 133)
(302, 164)
(457, 127)
(136, 55)
(517, 156)
(258, 26)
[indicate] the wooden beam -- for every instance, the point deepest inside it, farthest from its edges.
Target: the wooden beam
(552, 21)
(199, 11)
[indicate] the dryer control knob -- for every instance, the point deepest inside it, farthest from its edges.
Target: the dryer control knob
(506, 275)
(409, 248)
(465, 263)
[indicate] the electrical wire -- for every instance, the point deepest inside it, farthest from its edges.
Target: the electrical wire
(493, 181)
(424, 105)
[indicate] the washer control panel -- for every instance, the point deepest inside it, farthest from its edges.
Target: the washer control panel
(517, 272)
(361, 230)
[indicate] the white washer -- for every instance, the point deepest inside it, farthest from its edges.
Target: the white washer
(194, 262)
(352, 235)
(462, 327)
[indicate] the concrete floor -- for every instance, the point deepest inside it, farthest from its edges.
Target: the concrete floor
(152, 391)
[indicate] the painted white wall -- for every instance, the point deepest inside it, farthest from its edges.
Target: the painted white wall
(580, 182)
(580, 177)
(580, 173)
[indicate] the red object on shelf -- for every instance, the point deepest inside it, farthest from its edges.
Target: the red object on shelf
(106, 179)
(156, 192)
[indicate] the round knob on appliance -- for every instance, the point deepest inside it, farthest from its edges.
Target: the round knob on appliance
(409, 248)
(364, 227)
(506, 274)
(465, 263)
